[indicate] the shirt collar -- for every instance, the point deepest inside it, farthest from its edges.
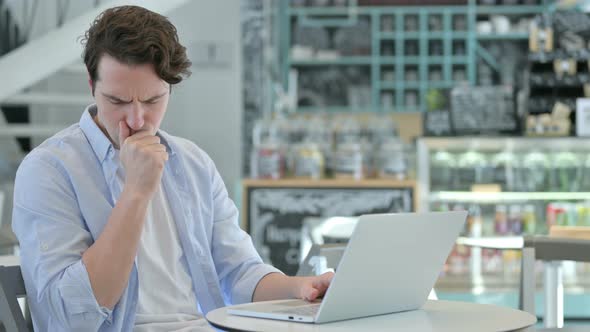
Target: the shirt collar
(100, 143)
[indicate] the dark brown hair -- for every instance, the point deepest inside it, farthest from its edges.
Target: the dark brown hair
(135, 36)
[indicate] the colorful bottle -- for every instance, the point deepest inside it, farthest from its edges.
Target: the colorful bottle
(501, 220)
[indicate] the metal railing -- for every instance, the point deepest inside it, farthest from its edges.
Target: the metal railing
(11, 35)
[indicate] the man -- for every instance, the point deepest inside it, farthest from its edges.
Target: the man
(122, 226)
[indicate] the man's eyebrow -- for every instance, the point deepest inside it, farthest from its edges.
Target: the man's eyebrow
(115, 98)
(154, 98)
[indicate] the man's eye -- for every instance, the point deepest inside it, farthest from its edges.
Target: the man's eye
(116, 102)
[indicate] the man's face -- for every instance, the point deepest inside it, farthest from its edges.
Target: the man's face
(133, 94)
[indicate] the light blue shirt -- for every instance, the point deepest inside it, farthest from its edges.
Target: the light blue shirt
(64, 192)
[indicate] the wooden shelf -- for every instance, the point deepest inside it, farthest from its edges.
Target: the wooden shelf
(337, 61)
(328, 183)
(499, 197)
(572, 232)
(504, 36)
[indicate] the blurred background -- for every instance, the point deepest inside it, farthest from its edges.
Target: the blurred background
(316, 109)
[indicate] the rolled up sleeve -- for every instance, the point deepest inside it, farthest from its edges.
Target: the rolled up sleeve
(238, 264)
(52, 235)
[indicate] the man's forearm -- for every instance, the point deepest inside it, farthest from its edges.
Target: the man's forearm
(110, 259)
(276, 286)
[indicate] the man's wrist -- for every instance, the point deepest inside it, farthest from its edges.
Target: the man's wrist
(296, 288)
(134, 195)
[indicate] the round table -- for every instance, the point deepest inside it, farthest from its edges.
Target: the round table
(434, 316)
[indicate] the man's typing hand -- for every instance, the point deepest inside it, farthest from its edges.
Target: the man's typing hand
(310, 288)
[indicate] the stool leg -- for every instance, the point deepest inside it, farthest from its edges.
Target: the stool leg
(528, 282)
(475, 262)
(553, 294)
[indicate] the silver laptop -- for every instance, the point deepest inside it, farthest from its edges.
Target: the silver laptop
(390, 265)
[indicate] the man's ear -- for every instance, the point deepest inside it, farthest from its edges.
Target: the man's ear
(91, 85)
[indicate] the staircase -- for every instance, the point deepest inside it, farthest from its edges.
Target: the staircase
(11, 37)
(43, 82)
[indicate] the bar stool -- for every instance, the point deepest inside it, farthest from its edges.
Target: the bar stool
(552, 251)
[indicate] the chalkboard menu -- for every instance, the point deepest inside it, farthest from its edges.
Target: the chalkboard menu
(275, 210)
(483, 109)
(437, 123)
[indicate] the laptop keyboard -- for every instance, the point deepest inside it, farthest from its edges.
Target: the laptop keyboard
(304, 310)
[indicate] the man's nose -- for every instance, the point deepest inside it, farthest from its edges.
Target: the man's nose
(135, 119)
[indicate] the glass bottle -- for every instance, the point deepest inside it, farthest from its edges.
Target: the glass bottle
(347, 161)
(471, 169)
(382, 129)
(583, 215)
(392, 160)
(585, 182)
(534, 172)
(442, 171)
(566, 172)
(309, 161)
(475, 225)
(515, 223)
(294, 135)
(529, 219)
(346, 130)
(503, 169)
(501, 220)
(267, 159)
(312, 154)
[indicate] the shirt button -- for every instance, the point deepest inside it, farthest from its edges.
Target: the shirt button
(44, 246)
